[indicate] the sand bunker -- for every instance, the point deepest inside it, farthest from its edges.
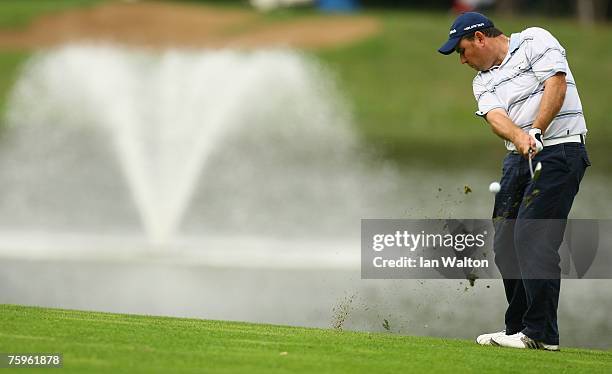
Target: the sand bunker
(162, 25)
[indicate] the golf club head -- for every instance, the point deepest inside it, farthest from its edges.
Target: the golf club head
(583, 243)
(536, 173)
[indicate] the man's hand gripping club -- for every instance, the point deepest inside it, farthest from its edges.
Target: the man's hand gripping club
(527, 145)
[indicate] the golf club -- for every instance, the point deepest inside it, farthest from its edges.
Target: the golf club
(535, 174)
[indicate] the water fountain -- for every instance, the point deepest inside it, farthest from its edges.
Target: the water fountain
(161, 117)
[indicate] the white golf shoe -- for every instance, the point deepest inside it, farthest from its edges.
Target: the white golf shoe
(485, 339)
(521, 341)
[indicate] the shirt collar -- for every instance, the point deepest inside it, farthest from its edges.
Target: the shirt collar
(513, 44)
(515, 41)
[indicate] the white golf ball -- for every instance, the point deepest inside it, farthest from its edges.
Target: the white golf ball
(494, 187)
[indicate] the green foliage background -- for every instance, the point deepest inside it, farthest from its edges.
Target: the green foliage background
(410, 103)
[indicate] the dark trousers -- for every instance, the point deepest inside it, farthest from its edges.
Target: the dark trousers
(529, 220)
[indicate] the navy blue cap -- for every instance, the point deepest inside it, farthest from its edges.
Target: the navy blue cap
(464, 24)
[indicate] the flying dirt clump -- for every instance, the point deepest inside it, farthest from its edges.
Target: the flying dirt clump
(472, 279)
(386, 325)
(341, 312)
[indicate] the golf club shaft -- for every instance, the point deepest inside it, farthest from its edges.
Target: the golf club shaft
(530, 163)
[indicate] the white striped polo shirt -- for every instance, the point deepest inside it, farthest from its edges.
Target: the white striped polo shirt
(517, 85)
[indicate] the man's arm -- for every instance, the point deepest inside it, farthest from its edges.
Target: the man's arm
(555, 88)
(503, 126)
(553, 97)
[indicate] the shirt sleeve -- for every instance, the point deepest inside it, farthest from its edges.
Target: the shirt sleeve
(486, 98)
(545, 55)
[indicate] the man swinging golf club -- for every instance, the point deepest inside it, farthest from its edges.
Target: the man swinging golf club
(526, 92)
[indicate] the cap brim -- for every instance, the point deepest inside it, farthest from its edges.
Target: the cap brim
(449, 46)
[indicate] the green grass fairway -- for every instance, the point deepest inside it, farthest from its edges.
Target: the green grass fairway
(101, 342)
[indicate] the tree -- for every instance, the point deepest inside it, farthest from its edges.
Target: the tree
(590, 11)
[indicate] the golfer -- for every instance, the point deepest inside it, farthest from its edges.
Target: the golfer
(526, 92)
